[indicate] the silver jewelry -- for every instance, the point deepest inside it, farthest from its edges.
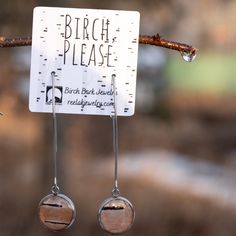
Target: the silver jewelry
(56, 211)
(116, 214)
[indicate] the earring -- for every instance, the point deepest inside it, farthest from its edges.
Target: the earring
(116, 214)
(56, 211)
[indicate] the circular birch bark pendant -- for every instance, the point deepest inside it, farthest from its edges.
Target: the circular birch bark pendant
(57, 212)
(116, 215)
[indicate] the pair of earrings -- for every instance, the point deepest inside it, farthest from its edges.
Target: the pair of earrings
(57, 211)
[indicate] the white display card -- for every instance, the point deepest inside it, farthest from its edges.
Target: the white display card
(85, 48)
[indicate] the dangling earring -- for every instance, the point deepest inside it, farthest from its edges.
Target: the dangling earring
(116, 214)
(56, 211)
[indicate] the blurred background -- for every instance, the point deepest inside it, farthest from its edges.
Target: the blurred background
(177, 161)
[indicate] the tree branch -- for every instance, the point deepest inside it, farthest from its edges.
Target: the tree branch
(155, 40)
(14, 42)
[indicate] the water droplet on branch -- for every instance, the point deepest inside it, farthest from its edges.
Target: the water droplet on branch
(188, 56)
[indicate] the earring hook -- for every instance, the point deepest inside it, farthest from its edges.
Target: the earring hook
(115, 191)
(55, 188)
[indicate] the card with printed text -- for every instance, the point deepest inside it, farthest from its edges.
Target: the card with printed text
(85, 49)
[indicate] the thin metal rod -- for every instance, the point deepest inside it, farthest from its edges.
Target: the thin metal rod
(55, 188)
(115, 137)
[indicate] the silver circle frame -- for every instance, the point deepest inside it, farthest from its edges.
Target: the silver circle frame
(65, 198)
(111, 199)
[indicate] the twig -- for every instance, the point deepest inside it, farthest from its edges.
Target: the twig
(151, 40)
(157, 40)
(14, 42)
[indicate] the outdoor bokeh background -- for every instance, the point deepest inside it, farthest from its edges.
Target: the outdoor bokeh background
(177, 153)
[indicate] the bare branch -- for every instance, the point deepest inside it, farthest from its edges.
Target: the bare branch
(14, 42)
(161, 42)
(151, 40)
